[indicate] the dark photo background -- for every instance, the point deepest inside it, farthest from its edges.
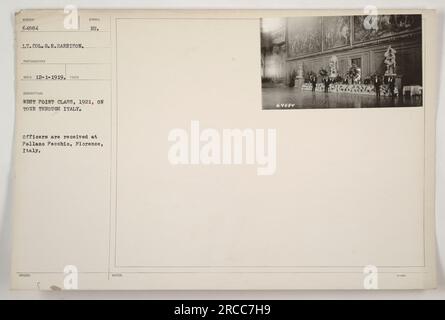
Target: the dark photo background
(348, 54)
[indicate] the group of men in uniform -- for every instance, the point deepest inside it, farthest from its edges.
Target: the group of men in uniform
(377, 81)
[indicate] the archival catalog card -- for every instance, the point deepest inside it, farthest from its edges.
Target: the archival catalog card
(224, 149)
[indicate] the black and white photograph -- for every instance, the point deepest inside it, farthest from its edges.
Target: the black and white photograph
(218, 154)
(315, 62)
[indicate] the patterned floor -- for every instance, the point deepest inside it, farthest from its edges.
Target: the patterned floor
(291, 98)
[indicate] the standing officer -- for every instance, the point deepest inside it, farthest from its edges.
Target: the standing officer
(392, 85)
(313, 82)
(377, 85)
